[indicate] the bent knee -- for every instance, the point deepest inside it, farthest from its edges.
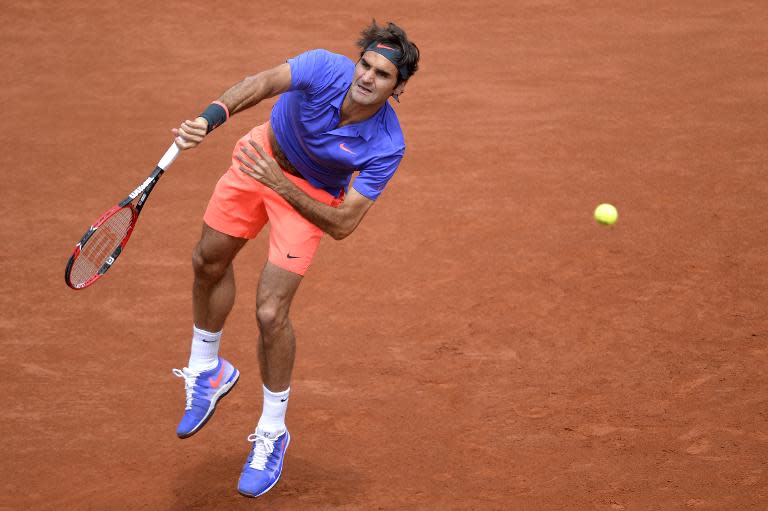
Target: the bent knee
(271, 316)
(207, 268)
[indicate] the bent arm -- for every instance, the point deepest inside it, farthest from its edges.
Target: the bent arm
(338, 222)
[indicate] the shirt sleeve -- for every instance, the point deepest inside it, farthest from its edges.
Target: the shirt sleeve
(375, 176)
(311, 71)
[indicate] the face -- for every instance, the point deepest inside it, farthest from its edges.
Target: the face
(374, 79)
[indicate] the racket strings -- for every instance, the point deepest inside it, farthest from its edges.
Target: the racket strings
(101, 245)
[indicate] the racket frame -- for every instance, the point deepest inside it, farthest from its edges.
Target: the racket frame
(145, 188)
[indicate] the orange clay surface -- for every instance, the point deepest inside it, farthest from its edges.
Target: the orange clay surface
(479, 342)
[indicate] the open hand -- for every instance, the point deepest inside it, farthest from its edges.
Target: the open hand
(261, 167)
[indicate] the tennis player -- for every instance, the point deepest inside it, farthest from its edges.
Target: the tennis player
(332, 120)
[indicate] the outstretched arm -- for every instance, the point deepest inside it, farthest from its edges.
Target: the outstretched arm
(254, 89)
(245, 94)
(338, 222)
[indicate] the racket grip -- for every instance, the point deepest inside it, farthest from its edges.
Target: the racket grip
(169, 156)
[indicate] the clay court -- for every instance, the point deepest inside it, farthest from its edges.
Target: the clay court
(479, 343)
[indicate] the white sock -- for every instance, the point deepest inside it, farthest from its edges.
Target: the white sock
(205, 350)
(273, 412)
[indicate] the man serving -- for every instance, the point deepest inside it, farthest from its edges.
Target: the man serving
(332, 119)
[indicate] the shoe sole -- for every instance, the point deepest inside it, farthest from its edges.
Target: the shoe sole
(214, 404)
(279, 474)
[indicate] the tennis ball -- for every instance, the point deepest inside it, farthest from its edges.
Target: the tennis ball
(606, 214)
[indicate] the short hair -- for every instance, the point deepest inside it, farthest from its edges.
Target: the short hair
(392, 35)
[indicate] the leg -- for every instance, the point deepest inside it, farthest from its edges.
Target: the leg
(213, 291)
(208, 378)
(277, 349)
(293, 241)
(277, 343)
(237, 209)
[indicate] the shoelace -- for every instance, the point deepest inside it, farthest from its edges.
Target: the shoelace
(262, 448)
(189, 384)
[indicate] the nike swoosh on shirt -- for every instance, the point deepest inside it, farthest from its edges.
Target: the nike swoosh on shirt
(344, 148)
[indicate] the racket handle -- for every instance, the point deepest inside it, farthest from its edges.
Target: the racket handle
(169, 156)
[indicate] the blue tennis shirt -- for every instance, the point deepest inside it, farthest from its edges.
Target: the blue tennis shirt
(305, 121)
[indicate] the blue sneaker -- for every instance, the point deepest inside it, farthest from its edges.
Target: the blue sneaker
(265, 462)
(204, 389)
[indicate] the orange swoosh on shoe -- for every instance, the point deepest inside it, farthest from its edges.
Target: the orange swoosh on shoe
(215, 383)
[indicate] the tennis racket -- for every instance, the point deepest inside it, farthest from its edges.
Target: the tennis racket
(105, 240)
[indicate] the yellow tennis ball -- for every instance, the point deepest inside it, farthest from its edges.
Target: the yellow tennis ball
(606, 214)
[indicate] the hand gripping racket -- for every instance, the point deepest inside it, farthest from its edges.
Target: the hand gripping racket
(105, 240)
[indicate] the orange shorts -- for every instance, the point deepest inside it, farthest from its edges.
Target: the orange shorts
(241, 207)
